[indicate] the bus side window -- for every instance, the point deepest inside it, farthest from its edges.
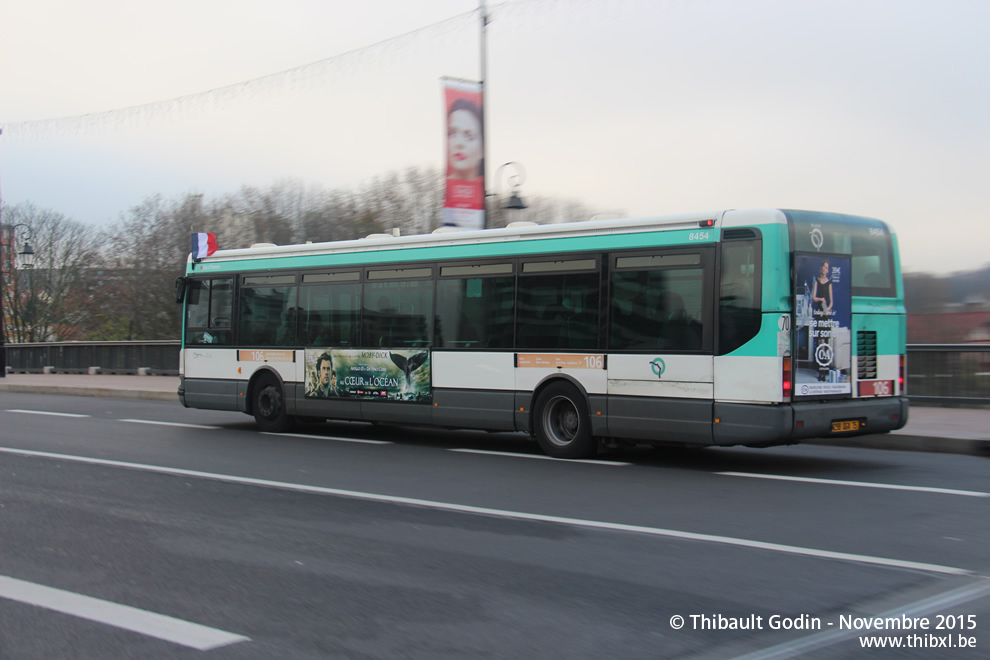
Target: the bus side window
(222, 303)
(267, 316)
(558, 311)
(657, 309)
(474, 312)
(209, 304)
(398, 314)
(329, 309)
(739, 295)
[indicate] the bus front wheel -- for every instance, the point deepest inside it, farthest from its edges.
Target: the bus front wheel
(268, 406)
(561, 422)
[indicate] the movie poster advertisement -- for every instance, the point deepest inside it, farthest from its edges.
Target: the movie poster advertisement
(464, 202)
(386, 375)
(823, 325)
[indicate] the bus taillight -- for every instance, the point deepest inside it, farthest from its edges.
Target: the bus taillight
(901, 383)
(786, 380)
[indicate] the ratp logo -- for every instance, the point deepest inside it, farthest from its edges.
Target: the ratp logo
(817, 238)
(658, 367)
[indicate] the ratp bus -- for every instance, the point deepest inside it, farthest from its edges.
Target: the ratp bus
(755, 328)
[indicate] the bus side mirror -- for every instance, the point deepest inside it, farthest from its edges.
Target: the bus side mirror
(180, 289)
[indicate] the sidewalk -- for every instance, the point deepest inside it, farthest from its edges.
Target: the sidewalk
(159, 388)
(945, 430)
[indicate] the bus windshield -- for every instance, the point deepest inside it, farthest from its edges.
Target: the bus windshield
(865, 240)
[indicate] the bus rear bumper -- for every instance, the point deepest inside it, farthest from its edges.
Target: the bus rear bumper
(765, 426)
(877, 415)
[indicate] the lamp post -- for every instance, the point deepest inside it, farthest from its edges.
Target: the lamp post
(7, 239)
(515, 181)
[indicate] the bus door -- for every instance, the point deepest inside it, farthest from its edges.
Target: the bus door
(660, 371)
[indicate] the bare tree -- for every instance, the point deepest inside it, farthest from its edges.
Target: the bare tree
(145, 251)
(126, 293)
(48, 301)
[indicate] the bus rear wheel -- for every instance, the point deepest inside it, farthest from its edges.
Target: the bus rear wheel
(561, 422)
(268, 406)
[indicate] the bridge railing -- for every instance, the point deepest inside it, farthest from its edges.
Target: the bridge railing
(938, 374)
(949, 374)
(79, 357)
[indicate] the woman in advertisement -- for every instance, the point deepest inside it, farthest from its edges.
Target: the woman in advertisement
(821, 294)
(821, 300)
(464, 142)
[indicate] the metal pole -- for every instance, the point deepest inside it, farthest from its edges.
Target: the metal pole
(484, 112)
(3, 347)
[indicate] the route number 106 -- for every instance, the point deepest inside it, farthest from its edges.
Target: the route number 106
(876, 387)
(594, 362)
(881, 388)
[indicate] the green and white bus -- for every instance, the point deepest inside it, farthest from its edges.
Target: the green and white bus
(755, 328)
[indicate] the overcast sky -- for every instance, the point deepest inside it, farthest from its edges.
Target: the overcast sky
(872, 107)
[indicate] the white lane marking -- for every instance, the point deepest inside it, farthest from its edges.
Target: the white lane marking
(861, 484)
(329, 437)
(136, 620)
(45, 412)
(515, 515)
(537, 456)
(937, 603)
(187, 426)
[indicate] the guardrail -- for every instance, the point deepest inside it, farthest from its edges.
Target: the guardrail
(949, 374)
(81, 357)
(938, 374)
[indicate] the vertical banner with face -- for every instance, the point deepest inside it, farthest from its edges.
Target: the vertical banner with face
(464, 203)
(823, 323)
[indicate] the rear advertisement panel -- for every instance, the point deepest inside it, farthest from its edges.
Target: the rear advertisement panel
(386, 375)
(823, 325)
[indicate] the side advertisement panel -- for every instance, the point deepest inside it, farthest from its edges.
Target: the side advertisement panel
(823, 325)
(366, 374)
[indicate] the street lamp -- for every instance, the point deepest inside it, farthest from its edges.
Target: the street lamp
(515, 180)
(27, 262)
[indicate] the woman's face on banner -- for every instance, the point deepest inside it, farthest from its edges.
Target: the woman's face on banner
(464, 144)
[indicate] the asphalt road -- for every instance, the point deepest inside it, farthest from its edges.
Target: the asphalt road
(122, 536)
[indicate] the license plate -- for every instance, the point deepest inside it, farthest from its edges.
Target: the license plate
(845, 426)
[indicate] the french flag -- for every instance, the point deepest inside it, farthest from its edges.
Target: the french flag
(203, 245)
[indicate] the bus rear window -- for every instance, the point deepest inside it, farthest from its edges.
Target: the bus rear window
(865, 240)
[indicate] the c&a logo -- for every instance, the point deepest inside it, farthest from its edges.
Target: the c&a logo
(658, 367)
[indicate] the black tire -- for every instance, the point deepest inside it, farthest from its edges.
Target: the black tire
(268, 406)
(562, 424)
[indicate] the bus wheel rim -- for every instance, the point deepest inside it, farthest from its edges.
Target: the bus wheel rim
(268, 403)
(561, 421)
